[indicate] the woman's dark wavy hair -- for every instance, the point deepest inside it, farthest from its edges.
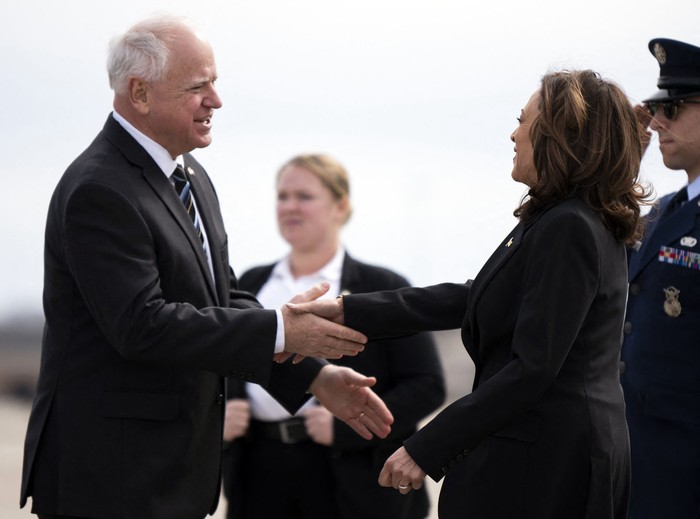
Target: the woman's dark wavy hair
(587, 142)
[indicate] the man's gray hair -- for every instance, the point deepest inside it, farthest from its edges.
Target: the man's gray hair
(142, 51)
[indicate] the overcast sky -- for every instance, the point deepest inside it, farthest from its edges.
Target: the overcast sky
(417, 99)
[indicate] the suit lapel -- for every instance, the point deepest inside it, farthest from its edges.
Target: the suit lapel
(503, 253)
(162, 188)
(206, 202)
(499, 257)
(164, 191)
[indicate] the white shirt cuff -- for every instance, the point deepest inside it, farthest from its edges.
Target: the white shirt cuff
(279, 339)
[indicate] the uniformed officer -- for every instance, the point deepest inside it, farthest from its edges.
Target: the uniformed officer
(661, 351)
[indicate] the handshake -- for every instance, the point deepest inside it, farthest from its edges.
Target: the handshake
(314, 328)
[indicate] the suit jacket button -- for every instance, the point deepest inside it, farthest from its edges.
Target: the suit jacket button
(634, 289)
(628, 327)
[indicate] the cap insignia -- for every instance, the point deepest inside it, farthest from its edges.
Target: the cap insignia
(660, 53)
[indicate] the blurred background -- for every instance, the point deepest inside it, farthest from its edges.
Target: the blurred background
(417, 99)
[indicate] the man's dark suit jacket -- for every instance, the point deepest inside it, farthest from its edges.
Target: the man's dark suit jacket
(409, 380)
(127, 419)
(661, 376)
(543, 433)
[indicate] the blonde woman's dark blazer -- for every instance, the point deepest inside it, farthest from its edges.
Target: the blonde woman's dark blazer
(543, 433)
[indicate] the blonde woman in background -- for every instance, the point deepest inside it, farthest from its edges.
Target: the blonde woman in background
(340, 470)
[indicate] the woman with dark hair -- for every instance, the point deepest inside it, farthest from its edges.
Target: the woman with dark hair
(543, 433)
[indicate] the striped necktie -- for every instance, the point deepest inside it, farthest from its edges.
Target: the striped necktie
(183, 188)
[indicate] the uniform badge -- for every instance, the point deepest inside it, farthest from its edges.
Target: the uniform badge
(660, 53)
(672, 306)
(689, 241)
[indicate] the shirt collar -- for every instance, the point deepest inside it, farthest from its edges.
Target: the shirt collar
(158, 153)
(331, 271)
(694, 188)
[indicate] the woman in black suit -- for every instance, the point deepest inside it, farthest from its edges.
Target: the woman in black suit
(543, 434)
(338, 476)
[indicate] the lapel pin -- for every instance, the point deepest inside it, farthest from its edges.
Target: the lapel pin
(689, 241)
(672, 306)
(190, 171)
(510, 242)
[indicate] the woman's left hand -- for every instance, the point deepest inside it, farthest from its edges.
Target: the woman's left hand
(401, 472)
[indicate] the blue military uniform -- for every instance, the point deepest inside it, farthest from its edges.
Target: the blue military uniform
(661, 350)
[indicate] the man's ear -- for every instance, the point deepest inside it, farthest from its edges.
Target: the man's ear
(140, 95)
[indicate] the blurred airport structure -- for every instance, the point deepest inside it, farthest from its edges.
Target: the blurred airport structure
(20, 351)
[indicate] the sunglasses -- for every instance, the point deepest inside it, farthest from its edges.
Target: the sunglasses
(670, 108)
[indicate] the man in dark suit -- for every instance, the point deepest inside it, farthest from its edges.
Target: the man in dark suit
(661, 350)
(143, 315)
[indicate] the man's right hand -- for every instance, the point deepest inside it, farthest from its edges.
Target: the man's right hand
(308, 335)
